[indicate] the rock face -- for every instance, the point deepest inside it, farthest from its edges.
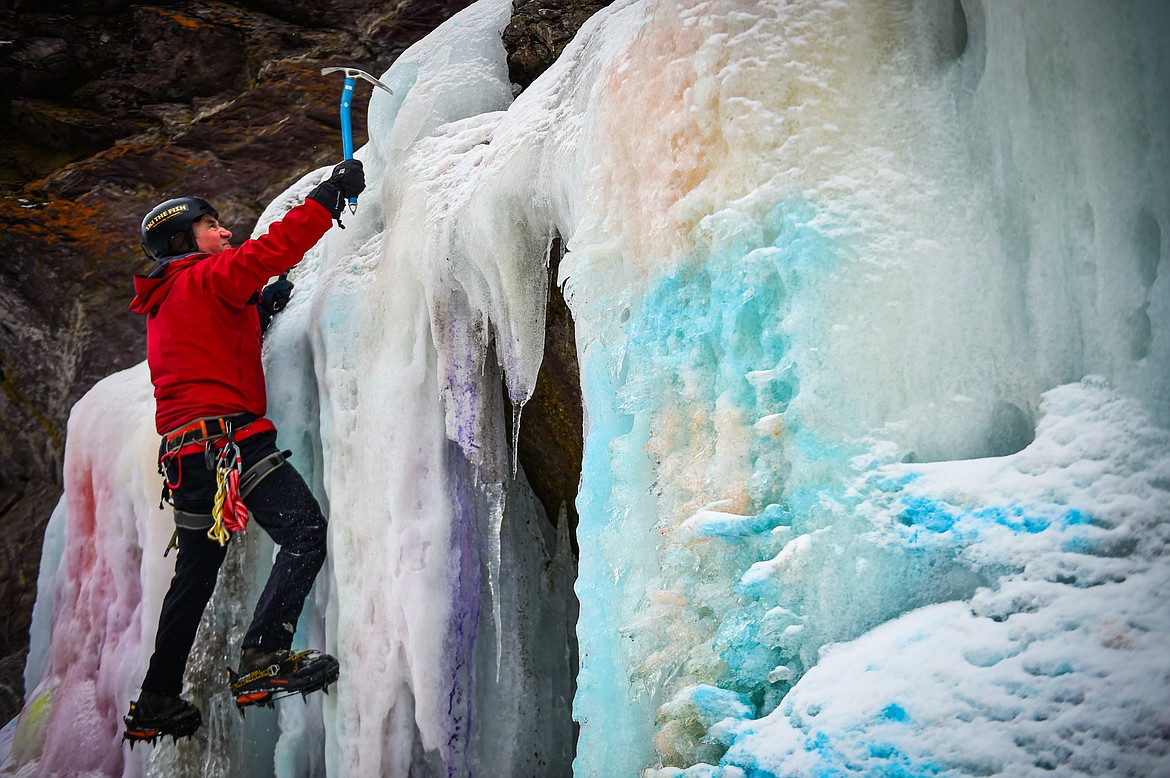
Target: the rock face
(551, 440)
(108, 107)
(539, 32)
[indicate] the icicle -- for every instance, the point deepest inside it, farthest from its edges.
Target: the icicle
(517, 409)
(496, 504)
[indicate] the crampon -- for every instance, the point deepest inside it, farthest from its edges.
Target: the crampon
(153, 717)
(286, 674)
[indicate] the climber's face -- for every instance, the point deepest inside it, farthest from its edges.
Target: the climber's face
(210, 237)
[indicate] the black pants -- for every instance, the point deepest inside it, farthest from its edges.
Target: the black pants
(285, 508)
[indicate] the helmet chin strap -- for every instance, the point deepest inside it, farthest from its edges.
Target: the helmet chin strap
(160, 265)
(178, 252)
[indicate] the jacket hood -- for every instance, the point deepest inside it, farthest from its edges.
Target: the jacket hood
(152, 288)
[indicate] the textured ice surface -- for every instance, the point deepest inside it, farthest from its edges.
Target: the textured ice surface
(871, 322)
(859, 236)
(1057, 663)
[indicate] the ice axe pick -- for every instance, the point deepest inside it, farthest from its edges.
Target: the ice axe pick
(351, 77)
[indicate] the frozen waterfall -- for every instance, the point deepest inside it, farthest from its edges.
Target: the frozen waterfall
(872, 329)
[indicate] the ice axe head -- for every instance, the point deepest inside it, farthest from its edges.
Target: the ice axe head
(354, 73)
(351, 78)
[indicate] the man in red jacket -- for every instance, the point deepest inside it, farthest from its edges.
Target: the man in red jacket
(205, 303)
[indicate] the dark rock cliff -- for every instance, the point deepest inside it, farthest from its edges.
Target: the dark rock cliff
(108, 107)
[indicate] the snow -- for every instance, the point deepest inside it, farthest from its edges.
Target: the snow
(870, 317)
(1059, 664)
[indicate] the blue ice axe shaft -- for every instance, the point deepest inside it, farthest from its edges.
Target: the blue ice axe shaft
(351, 77)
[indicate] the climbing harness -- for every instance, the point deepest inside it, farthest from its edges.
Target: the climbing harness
(216, 437)
(261, 470)
(201, 434)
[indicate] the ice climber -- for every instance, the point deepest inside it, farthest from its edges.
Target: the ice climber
(206, 306)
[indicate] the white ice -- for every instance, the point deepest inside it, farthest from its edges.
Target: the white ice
(871, 321)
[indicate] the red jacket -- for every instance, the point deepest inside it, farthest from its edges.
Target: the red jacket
(203, 329)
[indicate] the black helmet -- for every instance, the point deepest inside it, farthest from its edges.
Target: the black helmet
(166, 230)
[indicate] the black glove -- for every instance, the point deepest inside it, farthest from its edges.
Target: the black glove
(272, 300)
(348, 180)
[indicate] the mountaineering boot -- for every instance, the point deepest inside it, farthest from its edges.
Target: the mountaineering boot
(153, 716)
(267, 676)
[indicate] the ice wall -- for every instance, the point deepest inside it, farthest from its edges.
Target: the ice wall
(1055, 665)
(871, 320)
(852, 235)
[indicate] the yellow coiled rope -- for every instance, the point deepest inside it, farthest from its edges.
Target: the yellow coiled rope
(218, 531)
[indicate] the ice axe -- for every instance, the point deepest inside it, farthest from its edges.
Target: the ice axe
(351, 77)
